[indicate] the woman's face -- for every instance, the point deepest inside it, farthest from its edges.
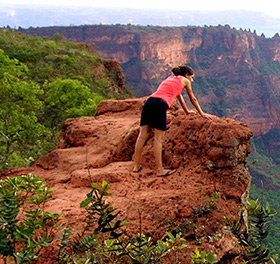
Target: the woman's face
(190, 77)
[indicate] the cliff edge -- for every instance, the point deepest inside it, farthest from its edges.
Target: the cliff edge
(210, 157)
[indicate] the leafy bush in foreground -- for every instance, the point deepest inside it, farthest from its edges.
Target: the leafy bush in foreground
(26, 228)
(116, 247)
(259, 218)
(24, 224)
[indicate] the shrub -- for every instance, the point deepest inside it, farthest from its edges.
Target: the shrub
(116, 247)
(258, 230)
(201, 257)
(24, 224)
(26, 228)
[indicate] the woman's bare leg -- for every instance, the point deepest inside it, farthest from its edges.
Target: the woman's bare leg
(141, 140)
(159, 135)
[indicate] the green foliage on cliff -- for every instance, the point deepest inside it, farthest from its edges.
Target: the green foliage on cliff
(21, 133)
(270, 197)
(49, 59)
(26, 228)
(264, 161)
(256, 232)
(271, 139)
(264, 165)
(43, 82)
(67, 98)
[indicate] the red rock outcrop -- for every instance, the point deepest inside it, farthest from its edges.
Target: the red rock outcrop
(210, 157)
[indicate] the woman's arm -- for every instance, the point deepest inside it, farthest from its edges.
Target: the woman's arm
(183, 104)
(187, 84)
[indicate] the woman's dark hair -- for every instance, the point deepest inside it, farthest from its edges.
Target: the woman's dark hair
(182, 70)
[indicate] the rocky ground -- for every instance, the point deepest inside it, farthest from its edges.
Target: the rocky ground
(209, 155)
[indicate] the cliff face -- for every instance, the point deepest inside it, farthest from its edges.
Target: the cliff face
(210, 157)
(237, 72)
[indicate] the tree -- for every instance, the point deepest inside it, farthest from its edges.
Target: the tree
(19, 101)
(67, 99)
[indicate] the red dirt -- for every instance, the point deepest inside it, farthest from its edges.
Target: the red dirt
(210, 156)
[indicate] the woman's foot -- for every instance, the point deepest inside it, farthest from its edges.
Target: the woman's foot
(137, 168)
(165, 172)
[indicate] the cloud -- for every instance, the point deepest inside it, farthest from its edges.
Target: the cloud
(11, 14)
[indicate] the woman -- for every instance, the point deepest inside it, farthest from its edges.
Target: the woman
(154, 114)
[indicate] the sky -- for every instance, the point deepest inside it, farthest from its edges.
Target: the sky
(269, 7)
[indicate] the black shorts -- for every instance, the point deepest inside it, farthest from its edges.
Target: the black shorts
(154, 113)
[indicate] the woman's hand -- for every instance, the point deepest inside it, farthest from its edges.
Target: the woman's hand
(207, 116)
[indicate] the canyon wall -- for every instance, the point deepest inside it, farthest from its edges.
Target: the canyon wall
(237, 72)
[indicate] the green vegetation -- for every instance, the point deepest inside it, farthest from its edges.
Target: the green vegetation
(264, 167)
(208, 207)
(26, 228)
(222, 77)
(264, 161)
(268, 144)
(121, 28)
(271, 197)
(202, 257)
(42, 82)
(49, 59)
(117, 247)
(21, 133)
(259, 217)
(67, 98)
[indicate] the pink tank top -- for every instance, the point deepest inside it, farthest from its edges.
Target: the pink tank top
(169, 89)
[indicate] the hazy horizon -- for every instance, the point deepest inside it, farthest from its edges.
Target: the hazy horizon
(199, 5)
(26, 15)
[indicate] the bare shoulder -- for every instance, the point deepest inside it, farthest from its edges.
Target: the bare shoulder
(185, 81)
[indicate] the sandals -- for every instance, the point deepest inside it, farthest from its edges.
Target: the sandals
(169, 172)
(139, 169)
